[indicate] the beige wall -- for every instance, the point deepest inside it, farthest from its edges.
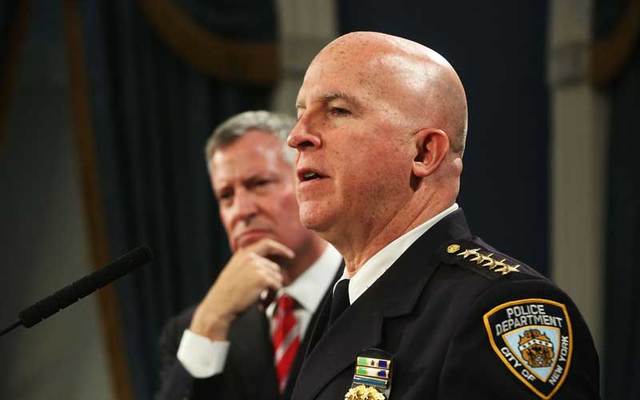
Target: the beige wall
(306, 26)
(578, 155)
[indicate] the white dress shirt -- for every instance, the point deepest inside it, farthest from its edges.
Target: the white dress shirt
(204, 358)
(380, 262)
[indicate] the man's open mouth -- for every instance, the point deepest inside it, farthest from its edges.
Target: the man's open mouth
(305, 175)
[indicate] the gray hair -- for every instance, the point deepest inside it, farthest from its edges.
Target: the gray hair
(278, 125)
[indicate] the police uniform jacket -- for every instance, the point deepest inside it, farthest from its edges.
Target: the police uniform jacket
(459, 320)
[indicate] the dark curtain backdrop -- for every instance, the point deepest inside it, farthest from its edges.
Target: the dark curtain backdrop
(9, 10)
(8, 17)
(152, 112)
(499, 52)
(622, 276)
(14, 17)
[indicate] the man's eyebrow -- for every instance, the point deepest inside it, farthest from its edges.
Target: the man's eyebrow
(331, 96)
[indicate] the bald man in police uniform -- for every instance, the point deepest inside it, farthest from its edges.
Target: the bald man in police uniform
(425, 309)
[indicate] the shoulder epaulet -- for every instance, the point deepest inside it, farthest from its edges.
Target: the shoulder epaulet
(478, 258)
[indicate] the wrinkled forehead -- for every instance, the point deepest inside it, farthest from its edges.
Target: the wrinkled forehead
(394, 79)
(254, 153)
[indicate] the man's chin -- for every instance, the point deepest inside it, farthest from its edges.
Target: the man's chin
(250, 238)
(314, 219)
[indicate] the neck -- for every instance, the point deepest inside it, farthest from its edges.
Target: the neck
(305, 257)
(359, 245)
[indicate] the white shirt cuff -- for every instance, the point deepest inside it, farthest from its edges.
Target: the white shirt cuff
(201, 357)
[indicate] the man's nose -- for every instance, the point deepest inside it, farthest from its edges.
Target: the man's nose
(301, 138)
(244, 205)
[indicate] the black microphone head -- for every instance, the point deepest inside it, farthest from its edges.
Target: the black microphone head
(119, 267)
(138, 256)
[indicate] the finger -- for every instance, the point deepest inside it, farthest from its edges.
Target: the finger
(269, 247)
(266, 263)
(259, 262)
(273, 283)
(267, 278)
(266, 269)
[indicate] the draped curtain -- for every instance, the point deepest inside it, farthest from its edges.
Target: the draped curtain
(162, 74)
(14, 15)
(617, 69)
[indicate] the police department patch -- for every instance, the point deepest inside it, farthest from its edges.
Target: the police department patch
(533, 338)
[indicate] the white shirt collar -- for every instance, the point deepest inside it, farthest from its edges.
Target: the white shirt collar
(377, 265)
(309, 288)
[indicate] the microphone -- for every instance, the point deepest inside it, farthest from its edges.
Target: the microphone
(70, 294)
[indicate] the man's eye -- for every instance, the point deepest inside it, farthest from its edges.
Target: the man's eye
(262, 184)
(259, 184)
(224, 196)
(339, 111)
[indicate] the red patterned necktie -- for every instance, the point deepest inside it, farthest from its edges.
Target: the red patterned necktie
(286, 338)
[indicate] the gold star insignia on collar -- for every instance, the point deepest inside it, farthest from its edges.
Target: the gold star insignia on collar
(483, 260)
(469, 252)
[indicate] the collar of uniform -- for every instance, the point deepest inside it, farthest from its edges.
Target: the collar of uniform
(374, 267)
(311, 285)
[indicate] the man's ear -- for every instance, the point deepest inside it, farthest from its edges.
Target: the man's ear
(432, 146)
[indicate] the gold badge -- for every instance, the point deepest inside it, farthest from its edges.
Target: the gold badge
(362, 392)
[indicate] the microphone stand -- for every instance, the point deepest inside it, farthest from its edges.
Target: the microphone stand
(10, 328)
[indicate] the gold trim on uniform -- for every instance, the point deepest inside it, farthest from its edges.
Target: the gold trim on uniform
(484, 260)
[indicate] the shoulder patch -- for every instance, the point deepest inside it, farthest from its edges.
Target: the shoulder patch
(534, 339)
(476, 257)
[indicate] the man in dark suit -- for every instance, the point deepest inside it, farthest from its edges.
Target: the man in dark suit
(424, 309)
(229, 346)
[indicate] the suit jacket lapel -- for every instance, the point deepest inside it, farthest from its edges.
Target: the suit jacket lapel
(311, 336)
(395, 293)
(253, 355)
(321, 316)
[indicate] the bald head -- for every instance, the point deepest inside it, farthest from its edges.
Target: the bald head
(426, 88)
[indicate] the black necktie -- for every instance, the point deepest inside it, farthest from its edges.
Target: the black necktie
(340, 300)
